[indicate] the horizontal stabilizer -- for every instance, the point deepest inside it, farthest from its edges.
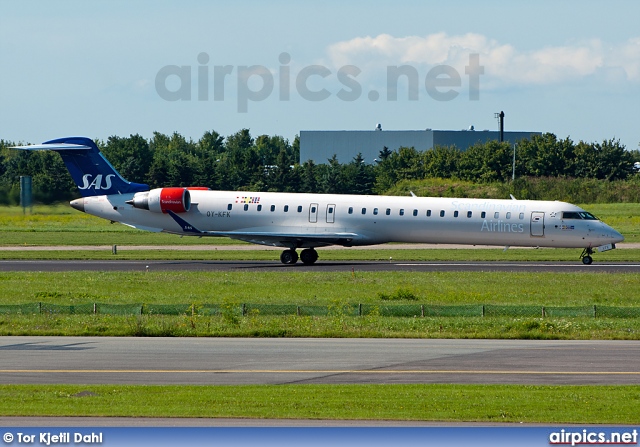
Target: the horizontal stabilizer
(53, 147)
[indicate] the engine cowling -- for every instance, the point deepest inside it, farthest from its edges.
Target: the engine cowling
(161, 200)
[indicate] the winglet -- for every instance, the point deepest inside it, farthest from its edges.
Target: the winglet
(186, 226)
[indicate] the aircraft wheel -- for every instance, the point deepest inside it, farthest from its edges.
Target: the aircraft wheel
(309, 256)
(587, 260)
(289, 257)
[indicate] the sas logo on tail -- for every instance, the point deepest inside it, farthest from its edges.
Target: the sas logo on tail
(97, 182)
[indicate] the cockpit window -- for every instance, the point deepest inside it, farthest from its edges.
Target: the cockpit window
(587, 216)
(578, 215)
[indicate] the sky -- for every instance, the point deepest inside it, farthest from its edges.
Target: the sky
(101, 68)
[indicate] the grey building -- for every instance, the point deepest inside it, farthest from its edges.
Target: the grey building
(321, 145)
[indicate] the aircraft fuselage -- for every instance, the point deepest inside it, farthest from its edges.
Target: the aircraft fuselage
(368, 220)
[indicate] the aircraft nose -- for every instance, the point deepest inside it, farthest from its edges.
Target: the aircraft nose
(617, 237)
(77, 204)
(611, 235)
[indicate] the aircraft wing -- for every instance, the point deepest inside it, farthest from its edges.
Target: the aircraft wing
(143, 228)
(294, 240)
(273, 238)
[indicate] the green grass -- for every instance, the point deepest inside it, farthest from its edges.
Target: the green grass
(321, 288)
(482, 403)
(62, 225)
(334, 290)
(549, 328)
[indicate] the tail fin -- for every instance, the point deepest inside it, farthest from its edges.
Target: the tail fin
(92, 173)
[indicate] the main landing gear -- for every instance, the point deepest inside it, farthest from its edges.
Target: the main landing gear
(308, 256)
(586, 256)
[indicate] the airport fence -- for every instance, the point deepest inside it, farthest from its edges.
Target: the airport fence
(354, 310)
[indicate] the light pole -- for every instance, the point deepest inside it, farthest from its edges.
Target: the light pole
(500, 118)
(513, 172)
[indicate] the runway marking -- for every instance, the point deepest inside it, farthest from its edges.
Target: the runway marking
(328, 371)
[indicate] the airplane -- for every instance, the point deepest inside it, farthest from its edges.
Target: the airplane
(308, 221)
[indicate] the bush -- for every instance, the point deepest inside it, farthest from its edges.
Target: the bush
(400, 294)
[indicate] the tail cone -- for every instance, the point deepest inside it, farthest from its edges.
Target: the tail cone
(77, 204)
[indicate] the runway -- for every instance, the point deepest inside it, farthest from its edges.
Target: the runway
(241, 361)
(321, 266)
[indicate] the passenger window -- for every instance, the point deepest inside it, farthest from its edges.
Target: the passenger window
(508, 215)
(350, 210)
(441, 213)
(415, 212)
(286, 208)
(299, 209)
(521, 216)
(364, 211)
(375, 211)
(229, 207)
(330, 210)
(313, 210)
(402, 212)
(246, 206)
(455, 214)
(496, 215)
(483, 214)
(388, 212)
(469, 214)
(273, 208)
(259, 207)
(428, 213)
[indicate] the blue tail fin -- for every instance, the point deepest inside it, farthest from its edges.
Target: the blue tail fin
(91, 172)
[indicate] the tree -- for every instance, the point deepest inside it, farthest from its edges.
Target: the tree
(208, 152)
(384, 153)
(359, 176)
(442, 162)
(211, 143)
(309, 181)
(613, 161)
(174, 162)
(546, 156)
(238, 164)
(130, 156)
(404, 164)
(332, 179)
(491, 161)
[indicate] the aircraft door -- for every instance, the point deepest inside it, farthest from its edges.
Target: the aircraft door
(331, 213)
(313, 213)
(537, 224)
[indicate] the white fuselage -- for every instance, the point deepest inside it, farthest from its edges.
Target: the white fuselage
(368, 220)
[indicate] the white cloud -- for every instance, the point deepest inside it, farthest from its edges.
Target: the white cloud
(503, 63)
(627, 56)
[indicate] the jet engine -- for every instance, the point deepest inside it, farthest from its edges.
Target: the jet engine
(161, 200)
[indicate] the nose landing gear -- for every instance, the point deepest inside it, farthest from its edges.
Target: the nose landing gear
(586, 256)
